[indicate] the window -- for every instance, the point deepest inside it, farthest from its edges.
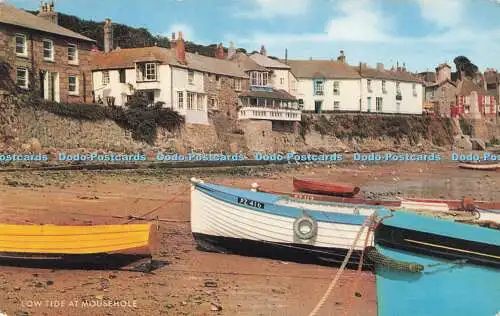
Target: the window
(21, 45)
(212, 103)
(48, 50)
(180, 99)
(237, 84)
(150, 72)
(318, 87)
(190, 100)
(22, 77)
(105, 78)
(73, 85)
(336, 106)
(259, 78)
(398, 107)
(369, 104)
(282, 80)
(72, 54)
(384, 87)
(398, 88)
(123, 75)
(191, 77)
(200, 106)
(378, 104)
(219, 81)
(150, 96)
(414, 88)
(336, 88)
(369, 85)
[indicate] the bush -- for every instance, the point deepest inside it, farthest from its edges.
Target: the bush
(139, 118)
(466, 127)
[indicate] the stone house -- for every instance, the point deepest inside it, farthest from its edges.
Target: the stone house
(440, 90)
(267, 97)
(44, 56)
(191, 84)
(492, 80)
(473, 101)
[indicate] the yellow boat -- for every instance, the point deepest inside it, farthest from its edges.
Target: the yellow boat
(73, 240)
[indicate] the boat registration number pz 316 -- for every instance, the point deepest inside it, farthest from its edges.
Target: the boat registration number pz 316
(250, 203)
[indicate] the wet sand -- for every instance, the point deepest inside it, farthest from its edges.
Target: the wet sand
(238, 285)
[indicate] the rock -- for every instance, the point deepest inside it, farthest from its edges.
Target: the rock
(478, 144)
(35, 145)
(462, 142)
(50, 282)
(215, 307)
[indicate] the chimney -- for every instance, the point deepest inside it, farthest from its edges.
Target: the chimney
(286, 56)
(180, 49)
(341, 58)
(172, 41)
(380, 67)
(108, 36)
(231, 52)
(219, 52)
(47, 12)
(263, 50)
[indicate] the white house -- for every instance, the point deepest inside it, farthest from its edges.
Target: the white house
(172, 76)
(390, 91)
(331, 86)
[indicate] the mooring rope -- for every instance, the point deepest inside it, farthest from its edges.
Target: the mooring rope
(358, 272)
(322, 302)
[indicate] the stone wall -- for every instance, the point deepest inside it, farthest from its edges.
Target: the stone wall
(34, 61)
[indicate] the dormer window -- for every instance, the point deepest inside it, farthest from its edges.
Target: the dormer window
(190, 77)
(147, 72)
(259, 78)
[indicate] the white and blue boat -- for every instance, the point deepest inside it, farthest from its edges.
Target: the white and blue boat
(457, 267)
(252, 223)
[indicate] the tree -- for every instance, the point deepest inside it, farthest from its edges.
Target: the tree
(463, 64)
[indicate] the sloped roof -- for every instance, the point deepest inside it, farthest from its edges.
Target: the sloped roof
(268, 62)
(428, 76)
(127, 57)
(373, 73)
(246, 63)
(327, 69)
(442, 66)
(467, 86)
(277, 94)
(13, 16)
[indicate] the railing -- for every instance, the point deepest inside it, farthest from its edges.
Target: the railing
(273, 114)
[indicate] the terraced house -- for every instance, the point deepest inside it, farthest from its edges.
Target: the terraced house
(45, 56)
(189, 83)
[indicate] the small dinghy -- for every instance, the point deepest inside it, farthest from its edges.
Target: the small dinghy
(485, 166)
(75, 244)
(245, 222)
(317, 187)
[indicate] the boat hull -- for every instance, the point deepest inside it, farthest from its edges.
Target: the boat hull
(444, 288)
(483, 167)
(222, 220)
(316, 187)
(298, 253)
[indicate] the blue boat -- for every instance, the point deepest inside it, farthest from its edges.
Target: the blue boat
(436, 267)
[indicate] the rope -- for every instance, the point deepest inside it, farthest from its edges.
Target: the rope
(358, 272)
(342, 268)
(158, 207)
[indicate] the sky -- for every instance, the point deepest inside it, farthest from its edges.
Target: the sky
(419, 33)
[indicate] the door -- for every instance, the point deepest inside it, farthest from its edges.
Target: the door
(369, 104)
(317, 106)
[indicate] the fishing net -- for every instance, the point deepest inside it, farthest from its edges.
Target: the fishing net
(382, 260)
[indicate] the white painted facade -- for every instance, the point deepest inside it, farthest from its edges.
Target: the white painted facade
(281, 79)
(179, 88)
(344, 98)
(354, 95)
(411, 101)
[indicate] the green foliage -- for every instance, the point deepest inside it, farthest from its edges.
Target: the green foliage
(126, 36)
(466, 127)
(494, 141)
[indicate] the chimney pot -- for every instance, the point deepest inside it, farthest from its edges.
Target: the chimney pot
(48, 13)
